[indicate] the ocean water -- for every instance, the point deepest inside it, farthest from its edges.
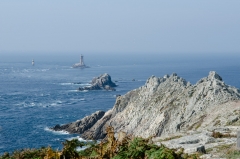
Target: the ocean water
(35, 98)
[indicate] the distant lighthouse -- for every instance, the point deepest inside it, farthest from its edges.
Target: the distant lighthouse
(32, 62)
(80, 64)
(81, 61)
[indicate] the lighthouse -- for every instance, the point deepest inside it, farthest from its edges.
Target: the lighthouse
(32, 62)
(81, 61)
(80, 64)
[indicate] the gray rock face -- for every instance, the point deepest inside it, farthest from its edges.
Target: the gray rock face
(102, 82)
(168, 105)
(193, 142)
(82, 125)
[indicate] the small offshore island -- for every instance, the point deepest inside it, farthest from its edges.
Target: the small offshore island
(102, 82)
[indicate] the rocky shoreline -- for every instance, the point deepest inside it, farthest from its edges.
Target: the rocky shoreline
(169, 105)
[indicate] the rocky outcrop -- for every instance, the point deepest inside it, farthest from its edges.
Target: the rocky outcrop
(82, 125)
(172, 111)
(168, 105)
(102, 82)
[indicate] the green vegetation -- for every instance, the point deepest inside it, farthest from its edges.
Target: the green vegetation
(233, 154)
(126, 147)
(225, 151)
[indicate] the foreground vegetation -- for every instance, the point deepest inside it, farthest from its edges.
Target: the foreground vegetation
(122, 148)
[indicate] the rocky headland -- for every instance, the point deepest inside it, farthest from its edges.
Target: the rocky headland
(102, 82)
(172, 111)
(82, 125)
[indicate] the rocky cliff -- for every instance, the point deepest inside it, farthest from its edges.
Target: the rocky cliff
(169, 105)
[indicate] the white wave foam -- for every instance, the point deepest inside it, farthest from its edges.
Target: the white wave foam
(75, 90)
(59, 102)
(32, 104)
(44, 70)
(53, 104)
(79, 139)
(80, 84)
(62, 132)
(64, 84)
(78, 91)
(85, 84)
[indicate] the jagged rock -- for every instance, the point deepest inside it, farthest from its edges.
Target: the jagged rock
(194, 142)
(102, 82)
(170, 105)
(97, 131)
(167, 105)
(82, 125)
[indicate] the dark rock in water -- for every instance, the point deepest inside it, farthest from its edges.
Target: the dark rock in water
(77, 83)
(57, 128)
(82, 125)
(102, 82)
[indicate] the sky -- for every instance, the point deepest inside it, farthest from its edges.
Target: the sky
(119, 27)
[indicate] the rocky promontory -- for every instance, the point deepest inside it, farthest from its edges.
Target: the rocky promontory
(82, 125)
(102, 82)
(170, 106)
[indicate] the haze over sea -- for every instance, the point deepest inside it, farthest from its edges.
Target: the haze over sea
(35, 98)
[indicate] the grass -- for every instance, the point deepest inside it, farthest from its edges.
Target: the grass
(233, 154)
(224, 151)
(209, 150)
(228, 151)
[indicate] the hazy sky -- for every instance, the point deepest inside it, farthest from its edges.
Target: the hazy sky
(119, 26)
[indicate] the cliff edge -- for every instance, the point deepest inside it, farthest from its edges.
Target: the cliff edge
(169, 105)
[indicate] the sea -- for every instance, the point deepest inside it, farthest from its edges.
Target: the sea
(35, 98)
